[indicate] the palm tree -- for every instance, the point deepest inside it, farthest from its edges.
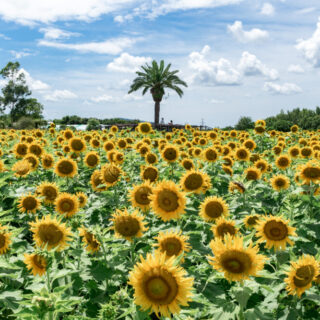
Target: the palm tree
(157, 78)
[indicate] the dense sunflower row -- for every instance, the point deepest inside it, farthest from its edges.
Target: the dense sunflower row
(163, 216)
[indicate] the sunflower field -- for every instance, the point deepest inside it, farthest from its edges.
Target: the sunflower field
(145, 224)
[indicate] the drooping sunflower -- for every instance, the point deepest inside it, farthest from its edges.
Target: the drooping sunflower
(283, 162)
(252, 173)
(172, 243)
(35, 263)
(77, 145)
(89, 240)
(92, 159)
(47, 161)
(50, 233)
(97, 182)
(67, 204)
(275, 231)
(195, 181)
(5, 240)
(110, 174)
(150, 173)
(235, 185)
(301, 275)
(251, 221)
(139, 195)
(167, 201)
(21, 168)
(213, 208)
(128, 225)
(223, 227)
(160, 286)
(309, 172)
(236, 261)
(66, 168)
(29, 204)
(280, 182)
(82, 198)
(49, 191)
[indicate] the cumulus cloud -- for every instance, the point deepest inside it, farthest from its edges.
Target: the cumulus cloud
(103, 98)
(2, 36)
(246, 36)
(210, 72)
(250, 65)
(127, 63)
(267, 9)
(310, 48)
(34, 84)
(295, 68)
(285, 88)
(55, 33)
(132, 97)
(110, 46)
(20, 54)
(58, 95)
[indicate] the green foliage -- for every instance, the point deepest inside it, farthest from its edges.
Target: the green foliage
(25, 123)
(244, 123)
(93, 124)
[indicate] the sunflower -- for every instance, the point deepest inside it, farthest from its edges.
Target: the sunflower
(275, 231)
(5, 240)
(144, 127)
(253, 173)
(82, 198)
(236, 261)
(283, 162)
(150, 173)
(301, 275)
(20, 150)
(210, 154)
(151, 158)
(49, 191)
(280, 182)
(66, 168)
(128, 225)
(77, 144)
(213, 208)
(170, 153)
(67, 204)
(227, 170)
(110, 174)
(242, 154)
(139, 195)
(223, 227)
(235, 185)
(97, 182)
(187, 164)
(294, 152)
(251, 221)
(249, 144)
(36, 263)
(68, 134)
(21, 168)
(306, 152)
(108, 146)
(167, 201)
(33, 160)
(172, 243)
(2, 167)
(294, 128)
(195, 181)
(309, 172)
(29, 204)
(91, 159)
(262, 165)
(89, 240)
(259, 129)
(160, 286)
(47, 161)
(36, 149)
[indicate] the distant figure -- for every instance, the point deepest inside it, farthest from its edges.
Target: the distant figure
(170, 123)
(162, 121)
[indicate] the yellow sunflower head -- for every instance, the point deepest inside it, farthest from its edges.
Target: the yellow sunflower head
(283, 162)
(151, 158)
(309, 172)
(92, 159)
(21, 168)
(49, 191)
(252, 173)
(5, 240)
(29, 204)
(262, 165)
(223, 227)
(97, 182)
(110, 174)
(150, 173)
(66, 168)
(167, 201)
(236, 185)
(139, 195)
(210, 154)
(213, 208)
(33, 160)
(20, 150)
(251, 221)
(144, 127)
(195, 181)
(187, 164)
(242, 154)
(275, 231)
(67, 204)
(82, 198)
(47, 161)
(160, 286)
(35, 263)
(280, 182)
(89, 240)
(294, 152)
(170, 153)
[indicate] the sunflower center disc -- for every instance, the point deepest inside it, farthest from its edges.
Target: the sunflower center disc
(66, 206)
(214, 209)
(158, 288)
(304, 275)
(38, 261)
(2, 240)
(29, 203)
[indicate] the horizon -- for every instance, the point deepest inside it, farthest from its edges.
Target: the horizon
(235, 55)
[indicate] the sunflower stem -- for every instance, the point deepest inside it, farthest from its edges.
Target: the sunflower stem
(50, 313)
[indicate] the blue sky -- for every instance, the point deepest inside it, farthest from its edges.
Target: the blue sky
(239, 57)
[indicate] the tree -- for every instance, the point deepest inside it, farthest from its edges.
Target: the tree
(93, 124)
(156, 78)
(15, 94)
(244, 123)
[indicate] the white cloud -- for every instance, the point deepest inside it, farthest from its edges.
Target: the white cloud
(132, 97)
(286, 88)
(34, 84)
(127, 63)
(110, 46)
(310, 48)
(212, 72)
(2, 83)
(124, 83)
(250, 65)
(57, 95)
(103, 98)
(2, 36)
(267, 9)
(306, 10)
(20, 54)
(55, 33)
(295, 68)
(215, 101)
(246, 36)
(30, 12)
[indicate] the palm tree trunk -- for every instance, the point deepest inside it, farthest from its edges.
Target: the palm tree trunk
(156, 113)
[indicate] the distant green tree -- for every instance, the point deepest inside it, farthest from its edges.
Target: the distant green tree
(157, 78)
(15, 94)
(93, 124)
(244, 123)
